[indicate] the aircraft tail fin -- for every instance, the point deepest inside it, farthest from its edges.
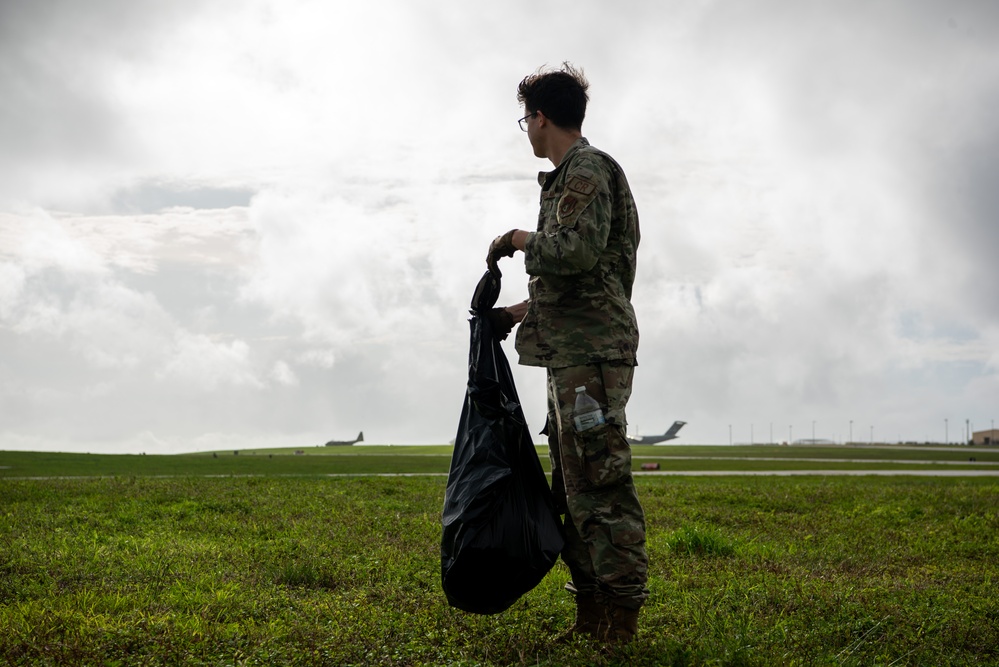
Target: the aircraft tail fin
(674, 429)
(360, 437)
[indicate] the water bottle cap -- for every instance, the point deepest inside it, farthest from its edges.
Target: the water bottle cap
(580, 390)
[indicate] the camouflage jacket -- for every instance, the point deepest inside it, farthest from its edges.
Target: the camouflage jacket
(582, 265)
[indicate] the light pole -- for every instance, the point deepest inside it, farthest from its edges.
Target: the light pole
(771, 433)
(851, 430)
(946, 435)
(967, 430)
(752, 441)
(872, 434)
(729, 434)
(813, 431)
(790, 438)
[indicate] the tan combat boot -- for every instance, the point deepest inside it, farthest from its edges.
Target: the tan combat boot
(623, 625)
(591, 619)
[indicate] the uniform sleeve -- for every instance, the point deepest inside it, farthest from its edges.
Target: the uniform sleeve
(576, 230)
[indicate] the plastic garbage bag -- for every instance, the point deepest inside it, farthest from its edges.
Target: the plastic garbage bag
(501, 534)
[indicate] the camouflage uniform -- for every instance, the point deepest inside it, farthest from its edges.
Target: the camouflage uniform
(581, 326)
(582, 265)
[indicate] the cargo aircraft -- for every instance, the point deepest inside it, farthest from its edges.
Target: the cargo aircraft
(656, 439)
(336, 443)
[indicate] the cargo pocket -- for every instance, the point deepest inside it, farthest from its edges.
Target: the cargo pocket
(604, 454)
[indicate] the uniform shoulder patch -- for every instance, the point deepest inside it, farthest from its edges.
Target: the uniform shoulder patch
(581, 187)
(582, 183)
(566, 206)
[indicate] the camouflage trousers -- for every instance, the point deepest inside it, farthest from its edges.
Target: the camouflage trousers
(594, 488)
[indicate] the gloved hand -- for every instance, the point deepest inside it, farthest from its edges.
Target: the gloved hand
(502, 246)
(501, 321)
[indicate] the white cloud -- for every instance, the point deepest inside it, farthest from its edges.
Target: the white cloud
(322, 358)
(814, 187)
(282, 374)
(12, 279)
(40, 242)
(115, 326)
(206, 365)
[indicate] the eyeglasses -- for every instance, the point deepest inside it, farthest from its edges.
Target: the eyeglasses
(523, 121)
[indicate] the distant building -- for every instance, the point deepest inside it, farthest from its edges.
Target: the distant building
(990, 437)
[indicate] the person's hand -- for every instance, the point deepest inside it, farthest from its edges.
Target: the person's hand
(518, 311)
(502, 246)
(501, 321)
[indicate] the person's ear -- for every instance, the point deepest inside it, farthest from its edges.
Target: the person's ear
(542, 118)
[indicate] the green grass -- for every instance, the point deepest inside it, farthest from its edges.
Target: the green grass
(331, 571)
(699, 541)
(384, 460)
(883, 452)
(436, 458)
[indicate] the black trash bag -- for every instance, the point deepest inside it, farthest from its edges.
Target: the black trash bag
(501, 534)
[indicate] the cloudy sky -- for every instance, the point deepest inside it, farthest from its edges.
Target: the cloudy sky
(246, 223)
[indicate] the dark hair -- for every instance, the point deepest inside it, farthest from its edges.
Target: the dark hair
(559, 94)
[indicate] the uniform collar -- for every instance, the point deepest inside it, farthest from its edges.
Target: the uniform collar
(546, 178)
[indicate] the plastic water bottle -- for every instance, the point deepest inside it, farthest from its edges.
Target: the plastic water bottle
(587, 411)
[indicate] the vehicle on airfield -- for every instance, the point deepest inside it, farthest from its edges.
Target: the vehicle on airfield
(656, 439)
(339, 443)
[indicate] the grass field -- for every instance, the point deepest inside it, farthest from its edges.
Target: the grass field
(124, 568)
(435, 459)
